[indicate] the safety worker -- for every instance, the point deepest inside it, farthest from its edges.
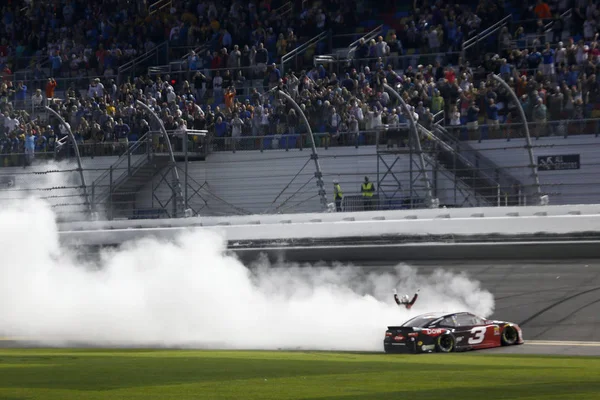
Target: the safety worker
(405, 299)
(367, 190)
(337, 195)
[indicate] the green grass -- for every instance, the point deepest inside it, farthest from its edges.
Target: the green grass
(58, 374)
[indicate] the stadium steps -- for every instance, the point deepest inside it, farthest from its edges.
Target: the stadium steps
(127, 187)
(449, 157)
(481, 174)
(122, 200)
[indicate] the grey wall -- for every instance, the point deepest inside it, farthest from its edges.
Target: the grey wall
(577, 186)
(250, 181)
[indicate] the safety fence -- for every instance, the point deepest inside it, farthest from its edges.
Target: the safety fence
(219, 180)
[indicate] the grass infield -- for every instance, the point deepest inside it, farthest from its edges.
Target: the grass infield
(82, 374)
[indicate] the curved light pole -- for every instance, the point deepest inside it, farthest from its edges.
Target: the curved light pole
(543, 200)
(79, 165)
(429, 200)
(175, 174)
(315, 155)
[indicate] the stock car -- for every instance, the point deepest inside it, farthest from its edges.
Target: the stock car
(445, 333)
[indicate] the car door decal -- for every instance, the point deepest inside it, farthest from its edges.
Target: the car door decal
(478, 335)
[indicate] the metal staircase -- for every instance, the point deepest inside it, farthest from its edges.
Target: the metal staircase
(114, 192)
(478, 172)
(486, 189)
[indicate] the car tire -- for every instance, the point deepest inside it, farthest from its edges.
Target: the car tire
(445, 343)
(510, 336)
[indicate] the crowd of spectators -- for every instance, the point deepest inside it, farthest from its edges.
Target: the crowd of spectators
(345, 103)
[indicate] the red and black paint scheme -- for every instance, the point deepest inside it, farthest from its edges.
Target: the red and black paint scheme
(446, 333)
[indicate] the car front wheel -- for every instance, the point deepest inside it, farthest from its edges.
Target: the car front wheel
(510, 336)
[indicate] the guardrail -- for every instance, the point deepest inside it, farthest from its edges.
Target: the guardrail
(475, 222)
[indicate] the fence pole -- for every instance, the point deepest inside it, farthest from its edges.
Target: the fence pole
(543, 200)
(76, 148)
(315, 155)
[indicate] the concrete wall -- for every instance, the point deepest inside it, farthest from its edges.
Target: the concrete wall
(251, 181)
(573, 186)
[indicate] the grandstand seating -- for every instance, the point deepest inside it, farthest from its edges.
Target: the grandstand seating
(440, 67)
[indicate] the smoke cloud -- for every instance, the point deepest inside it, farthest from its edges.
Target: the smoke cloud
(58, 183)
(191, 293)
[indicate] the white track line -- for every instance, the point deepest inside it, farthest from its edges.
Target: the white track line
(562, 343)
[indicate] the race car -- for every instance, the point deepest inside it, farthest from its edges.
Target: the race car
(445, 333)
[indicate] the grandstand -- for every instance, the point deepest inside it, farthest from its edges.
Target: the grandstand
(169, 111)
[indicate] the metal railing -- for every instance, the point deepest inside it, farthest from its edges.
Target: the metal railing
(285, 9)
(505, 181)
(130, 67)
(480, 36)
(367, 37)
(300, 50)
(158, 6)
(135, 155)
(341, 64)
(565, 16)
(559, 128)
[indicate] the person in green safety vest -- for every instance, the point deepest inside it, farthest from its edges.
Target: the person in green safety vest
(367, 189)
(337, 195)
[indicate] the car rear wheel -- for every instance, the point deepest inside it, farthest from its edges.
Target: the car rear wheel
(509, 336)
(445, 343)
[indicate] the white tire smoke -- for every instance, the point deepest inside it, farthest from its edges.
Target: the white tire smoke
(191, 293)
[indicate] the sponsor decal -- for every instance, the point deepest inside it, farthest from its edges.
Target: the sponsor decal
(388, 334)
(398, 344)
(459, 339)
(429, 347)
(433, 332)
(398, 338)
(413, 334)
(561, 162)
(419, 343)
(496, 331)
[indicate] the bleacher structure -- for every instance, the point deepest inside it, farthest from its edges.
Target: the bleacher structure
(196, 174)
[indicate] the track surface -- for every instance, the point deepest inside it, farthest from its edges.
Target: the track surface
(553, 302)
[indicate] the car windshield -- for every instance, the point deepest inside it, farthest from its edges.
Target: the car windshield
(421, 321)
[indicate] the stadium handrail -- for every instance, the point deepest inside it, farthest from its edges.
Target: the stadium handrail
(563, 16)
(368, 36)
(128, 66)
(285, 9)
(438, 142)
(485, 33)
(302, 48)
(502, 177)
(106, 180)
(159, 5)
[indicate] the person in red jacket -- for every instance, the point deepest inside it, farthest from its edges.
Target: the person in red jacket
(405, 299)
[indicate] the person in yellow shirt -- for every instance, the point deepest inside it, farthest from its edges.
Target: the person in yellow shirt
(337, 195)
(367, 189)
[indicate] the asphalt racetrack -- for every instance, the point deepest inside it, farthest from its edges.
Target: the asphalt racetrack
(556, 303)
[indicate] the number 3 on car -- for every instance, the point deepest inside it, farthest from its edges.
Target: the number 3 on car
(477, 335)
